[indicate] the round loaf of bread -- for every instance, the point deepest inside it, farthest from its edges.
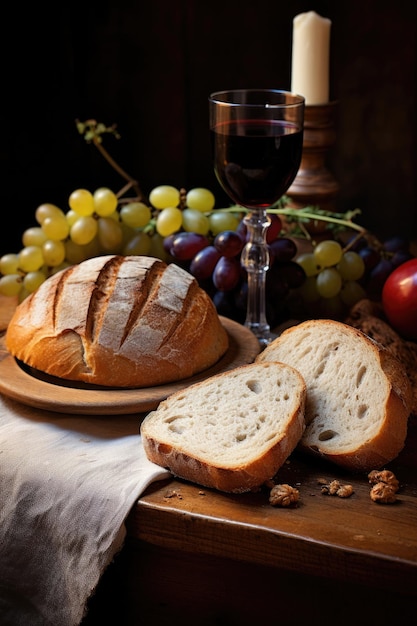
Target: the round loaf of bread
(118, 321)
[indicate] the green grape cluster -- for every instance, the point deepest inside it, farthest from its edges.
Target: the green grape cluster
(333, 278)
(101, 223)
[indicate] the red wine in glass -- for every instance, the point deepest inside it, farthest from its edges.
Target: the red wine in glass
(256, 161)
(257, 141)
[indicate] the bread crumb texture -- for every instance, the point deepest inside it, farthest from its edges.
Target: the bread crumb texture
(358, 395)
(244, 422)
(226, 422)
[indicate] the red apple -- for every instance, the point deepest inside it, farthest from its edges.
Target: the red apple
(399, 299)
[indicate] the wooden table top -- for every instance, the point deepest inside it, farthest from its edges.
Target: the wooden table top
(349, 539)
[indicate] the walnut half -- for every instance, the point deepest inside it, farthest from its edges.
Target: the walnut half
(384, 476)
(385, 486)
(283, 495)
(383, 493)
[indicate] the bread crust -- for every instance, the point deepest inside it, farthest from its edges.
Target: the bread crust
(261, 463)
(368, 316)
(391, 413)
(118, 321)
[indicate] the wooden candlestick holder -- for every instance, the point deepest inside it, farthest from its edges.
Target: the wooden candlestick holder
(314, 184)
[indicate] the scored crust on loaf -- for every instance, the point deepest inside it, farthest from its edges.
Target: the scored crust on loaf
(358, 394)
(232, 431)
(118, 321)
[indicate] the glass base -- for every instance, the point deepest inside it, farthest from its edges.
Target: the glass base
(262, 333)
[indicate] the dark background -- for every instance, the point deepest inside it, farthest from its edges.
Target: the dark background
(149, 67)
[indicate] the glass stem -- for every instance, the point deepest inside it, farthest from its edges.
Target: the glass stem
(255, 260)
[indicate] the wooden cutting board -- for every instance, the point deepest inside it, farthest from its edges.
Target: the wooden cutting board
(39, 390)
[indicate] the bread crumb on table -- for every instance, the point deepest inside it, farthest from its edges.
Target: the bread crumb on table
(336, 488)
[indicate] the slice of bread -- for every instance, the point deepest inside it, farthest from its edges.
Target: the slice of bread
(358, 393)
(232, 431)
(369, 317)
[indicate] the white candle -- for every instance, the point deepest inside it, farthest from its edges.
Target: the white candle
(310, 57)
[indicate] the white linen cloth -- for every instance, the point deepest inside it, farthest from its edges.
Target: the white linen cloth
(67, 484)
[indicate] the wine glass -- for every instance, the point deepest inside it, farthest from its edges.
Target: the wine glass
(257, 141)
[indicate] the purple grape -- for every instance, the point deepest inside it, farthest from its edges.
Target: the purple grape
(227, 273)
(228, 243)
(371, 258)
(395, 244)
(274, 228)
(282, 249)
(224, 303)
(292, 274)
(242, 231)
(399, 257)
(185, 245)
(203, 264)
(378, 276)
(167, 243)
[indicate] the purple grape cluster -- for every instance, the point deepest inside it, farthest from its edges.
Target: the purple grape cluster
(380, 259)
(216, 264)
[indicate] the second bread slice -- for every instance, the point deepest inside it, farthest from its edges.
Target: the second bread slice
(358, 394)
(232, 431)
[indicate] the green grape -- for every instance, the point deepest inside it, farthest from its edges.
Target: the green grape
(82, 202)
(308, 290)
(34, 236)
(114, 216)
(71, 217)
(53, 252)
(351, 266)
(109, 234)
(56, 227)
(10, 285)
(9, 263)
(157, 249)
(33, 280)
(135, 214)
(194, 221)
(352, 292)
(222, 220)
(105, 201)
(84, 230)
(169, 221)
(200, 199)
(47, 210)
(60, 267)
(76, 253)
(308, 262)
(31, 258)
(328, 253)
(164, 197)
(329, 282)
(140, 244)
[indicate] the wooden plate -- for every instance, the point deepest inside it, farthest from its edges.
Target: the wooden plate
(42, 391)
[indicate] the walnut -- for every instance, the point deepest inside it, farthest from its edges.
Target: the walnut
(384, 476)
(283, 495)
(335, 488)
(383, 493)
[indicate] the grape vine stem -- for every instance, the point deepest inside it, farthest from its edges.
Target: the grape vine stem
(92, 132)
